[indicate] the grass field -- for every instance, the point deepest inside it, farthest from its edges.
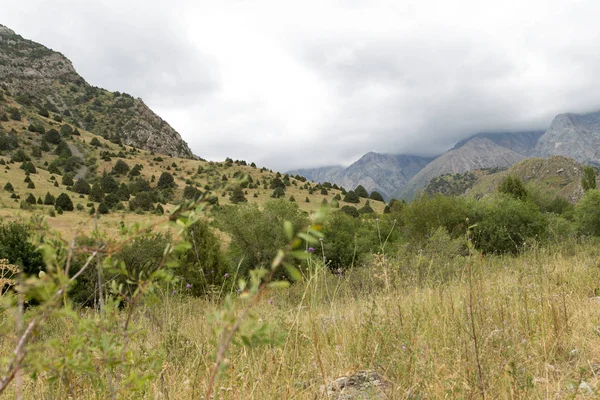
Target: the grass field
(497, 327)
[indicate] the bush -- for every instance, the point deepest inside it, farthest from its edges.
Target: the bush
(588, 182)
(278, 193)
(120, 168)
(9, 187)
(103, 208)
(513, 186)
(19, 156)
(351, 197)
(111, 201)
(52, 136)
(257, 235)
(587, 213)
(63, 201)
(15, 246)
(347, 241)
(191, 193)
(67, 180)
(49, 200)
(166, 181)
(30, 199)
(29, 167)
(109, 184)
(82, 187)
(376, 196)
(96, 193)
(361, 191)
(237, 196)
(503, 224)
(351, 211)
(203, 264)
(95, 142)
(142, 202)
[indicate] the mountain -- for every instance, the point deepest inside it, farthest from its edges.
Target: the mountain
(554, 176)
(572, 135)
(519, 142)
(384, 173)
(477, 153)
(44, 82)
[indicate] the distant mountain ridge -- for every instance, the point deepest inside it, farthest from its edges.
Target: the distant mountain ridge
(43, 80)
(570, 135)
(375, 171)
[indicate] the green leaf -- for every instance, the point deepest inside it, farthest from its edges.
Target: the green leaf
(289, 229)
(278, 259)
(293, 272)
(279, 284)
(308, 238)
(300, 255)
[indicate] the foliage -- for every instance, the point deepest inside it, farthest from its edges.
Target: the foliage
(64, 202)
(49, 200)
(351, 197)
(513, 186)
(503, 224)
(361, 191)
(81, 186)
(256, 234)
(16, 246)
(351, 211)
(587, 213)
(237, 196)
(143, 201)
(120, 168)
(588, 182)
(347, 241)
(52, 136)
(376, 196)
(166, 181)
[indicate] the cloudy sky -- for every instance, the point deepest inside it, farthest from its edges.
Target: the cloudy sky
(292, 84)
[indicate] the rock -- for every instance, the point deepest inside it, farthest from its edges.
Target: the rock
(361, 385)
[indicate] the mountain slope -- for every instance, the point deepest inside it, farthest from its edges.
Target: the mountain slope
(477, 153)
(572, 135)
(384, 173)
(519, 142)
(44, 82)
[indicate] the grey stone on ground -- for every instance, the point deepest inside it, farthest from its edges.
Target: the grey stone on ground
(361, 385)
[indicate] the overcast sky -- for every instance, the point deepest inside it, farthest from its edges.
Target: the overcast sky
(292, 84)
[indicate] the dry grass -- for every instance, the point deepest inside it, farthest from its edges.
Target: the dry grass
(535, 318)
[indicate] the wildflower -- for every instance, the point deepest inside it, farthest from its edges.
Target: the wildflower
(311, 249)
(271, 301)
(174, 291)
(188, 286)
(212, 272)
(226, 275)
(403, 347)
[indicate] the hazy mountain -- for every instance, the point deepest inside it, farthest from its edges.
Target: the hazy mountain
(572, 135)
(384, 173)
(477, 153)
(44, 81)
(519, 142)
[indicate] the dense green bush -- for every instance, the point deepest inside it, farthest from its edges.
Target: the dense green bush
(503, 224)
(15, 246)
(587, 213)
(143, 201)
(203, 264)
(588, 182)
(120, 168)
(361, 191)
(165, 181)
(351, 197)
(49, 200)
(82, 187)
(376, 196)
(256, 234)
(351, 211)
(64, 202)
(513, 186)
(52, 136)
(347, 241)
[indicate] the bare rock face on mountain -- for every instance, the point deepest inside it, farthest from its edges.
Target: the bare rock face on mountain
(478, 153)
(572, 135)
(45, 82)
(384, 173)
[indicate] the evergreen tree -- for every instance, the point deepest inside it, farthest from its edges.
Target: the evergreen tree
(237, 196)
(351, 197)
(589, 179)
(361, 191)
(63, 201)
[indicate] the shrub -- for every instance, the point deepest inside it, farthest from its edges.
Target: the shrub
(103, 208)
(366, 209)
(111, 201)
(587, 213)
(95, 142)
(166, 181)
(514, 187)
(120, 168)
(361, 191)
(123, 192)
(191, 193)
(19, 156)
(237, 196)
(63, 150)
(66, 130)
(67, 180)
(351, 197)
(347, 241)
(588, 182)
(30, 185)
(203, 264)
(376, 196)
(257, 235)
(351, 211)
(81, 186)
(109, 184)
(63, 201)
(28, 166)
(278, 193)
(14, 114)
(9, 187)
(30, 199)
(52, 136)
(503, 224)
(143, 201)
(49, 200)
(15, 246)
